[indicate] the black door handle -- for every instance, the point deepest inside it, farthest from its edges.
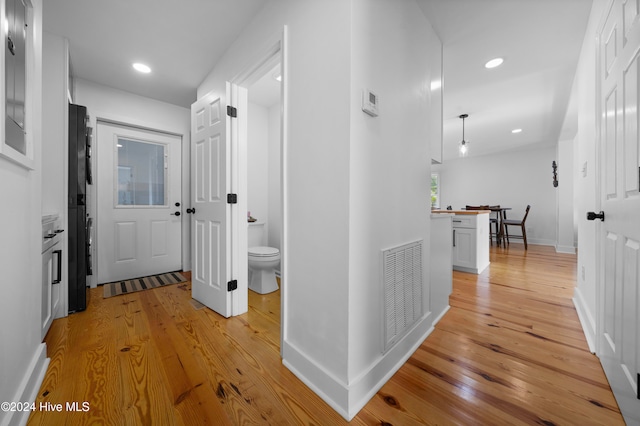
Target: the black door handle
(594, 216)
(191, 211)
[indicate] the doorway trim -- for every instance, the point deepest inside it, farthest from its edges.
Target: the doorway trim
(274, 53)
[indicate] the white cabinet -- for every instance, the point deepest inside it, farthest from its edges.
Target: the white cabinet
(471, 242)
(464, 248)
(46, 313)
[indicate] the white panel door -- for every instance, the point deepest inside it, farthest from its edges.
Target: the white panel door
(619, 304)
(139, 194)
(210, 184)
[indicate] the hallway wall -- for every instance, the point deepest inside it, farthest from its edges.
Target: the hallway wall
(23, 356)
(336, 200)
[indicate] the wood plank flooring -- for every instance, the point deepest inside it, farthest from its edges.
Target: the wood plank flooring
(509, 351)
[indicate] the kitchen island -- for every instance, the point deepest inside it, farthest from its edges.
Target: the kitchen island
(470, 239)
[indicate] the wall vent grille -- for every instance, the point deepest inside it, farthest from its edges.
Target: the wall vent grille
(402, 281)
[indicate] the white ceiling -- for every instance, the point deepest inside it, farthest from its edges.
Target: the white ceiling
(180, 40)
(540, 41)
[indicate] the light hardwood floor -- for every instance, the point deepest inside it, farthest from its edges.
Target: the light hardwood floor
(509, 351)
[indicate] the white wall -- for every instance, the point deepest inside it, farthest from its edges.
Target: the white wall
(510, 179)
(263, 169)
(390, 163)
(103, 102)
(566, 231)
(258, 163)
(333, 203)
(53, 120)
(22, 354)
(586, 196)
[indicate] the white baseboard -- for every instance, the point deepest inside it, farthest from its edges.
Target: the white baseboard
(439, 317)
(533, 241)
(586, 318)
(322, 382)
(566, 249)
(361, 390)
(29, 386)
(347, 399)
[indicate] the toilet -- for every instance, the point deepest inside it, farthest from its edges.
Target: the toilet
(263, 261)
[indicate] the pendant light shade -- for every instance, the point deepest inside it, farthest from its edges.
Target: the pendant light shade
(463, 147)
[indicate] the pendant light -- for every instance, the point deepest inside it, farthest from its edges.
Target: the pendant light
(463, 148)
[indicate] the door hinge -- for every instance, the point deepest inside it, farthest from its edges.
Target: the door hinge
(232, 198)
(232, 285)
(232, 111)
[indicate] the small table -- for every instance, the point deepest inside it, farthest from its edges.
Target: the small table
(501, 215)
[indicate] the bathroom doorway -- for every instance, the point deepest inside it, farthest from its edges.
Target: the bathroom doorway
(264, 183)
(258, 93)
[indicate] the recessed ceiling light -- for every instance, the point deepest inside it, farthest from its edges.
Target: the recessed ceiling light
(141, 68)
(494, 63)
(516, 130)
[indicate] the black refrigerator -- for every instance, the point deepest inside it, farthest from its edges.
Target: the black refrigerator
(79, 140)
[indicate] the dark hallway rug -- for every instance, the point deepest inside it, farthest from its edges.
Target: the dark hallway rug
(144, 283)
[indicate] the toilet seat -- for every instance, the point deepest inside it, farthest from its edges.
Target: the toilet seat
(263, 252)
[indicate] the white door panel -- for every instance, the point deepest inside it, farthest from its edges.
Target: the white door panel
(139, 185)
(619, 310)
(211, 181)
(160, 236)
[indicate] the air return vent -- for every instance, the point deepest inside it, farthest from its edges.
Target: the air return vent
(402, 281)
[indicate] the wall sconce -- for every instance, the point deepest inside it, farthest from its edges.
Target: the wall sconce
(554, 166)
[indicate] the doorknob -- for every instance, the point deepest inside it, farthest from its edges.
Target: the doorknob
(594, 215)
(191, 211)
(175, 214)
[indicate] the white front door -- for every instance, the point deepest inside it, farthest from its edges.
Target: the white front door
(139, 194)
(211, 227)
(619, 302)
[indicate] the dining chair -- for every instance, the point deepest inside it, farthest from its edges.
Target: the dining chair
(491, 222)
(520, 223)
(494, 221)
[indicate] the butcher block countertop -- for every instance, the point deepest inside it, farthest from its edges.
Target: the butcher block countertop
(462, 211)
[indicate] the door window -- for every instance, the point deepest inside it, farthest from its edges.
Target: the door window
(141, 173)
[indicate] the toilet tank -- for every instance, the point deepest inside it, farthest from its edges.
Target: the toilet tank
(256, 235)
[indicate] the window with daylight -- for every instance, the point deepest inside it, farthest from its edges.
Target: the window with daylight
(435, 191)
